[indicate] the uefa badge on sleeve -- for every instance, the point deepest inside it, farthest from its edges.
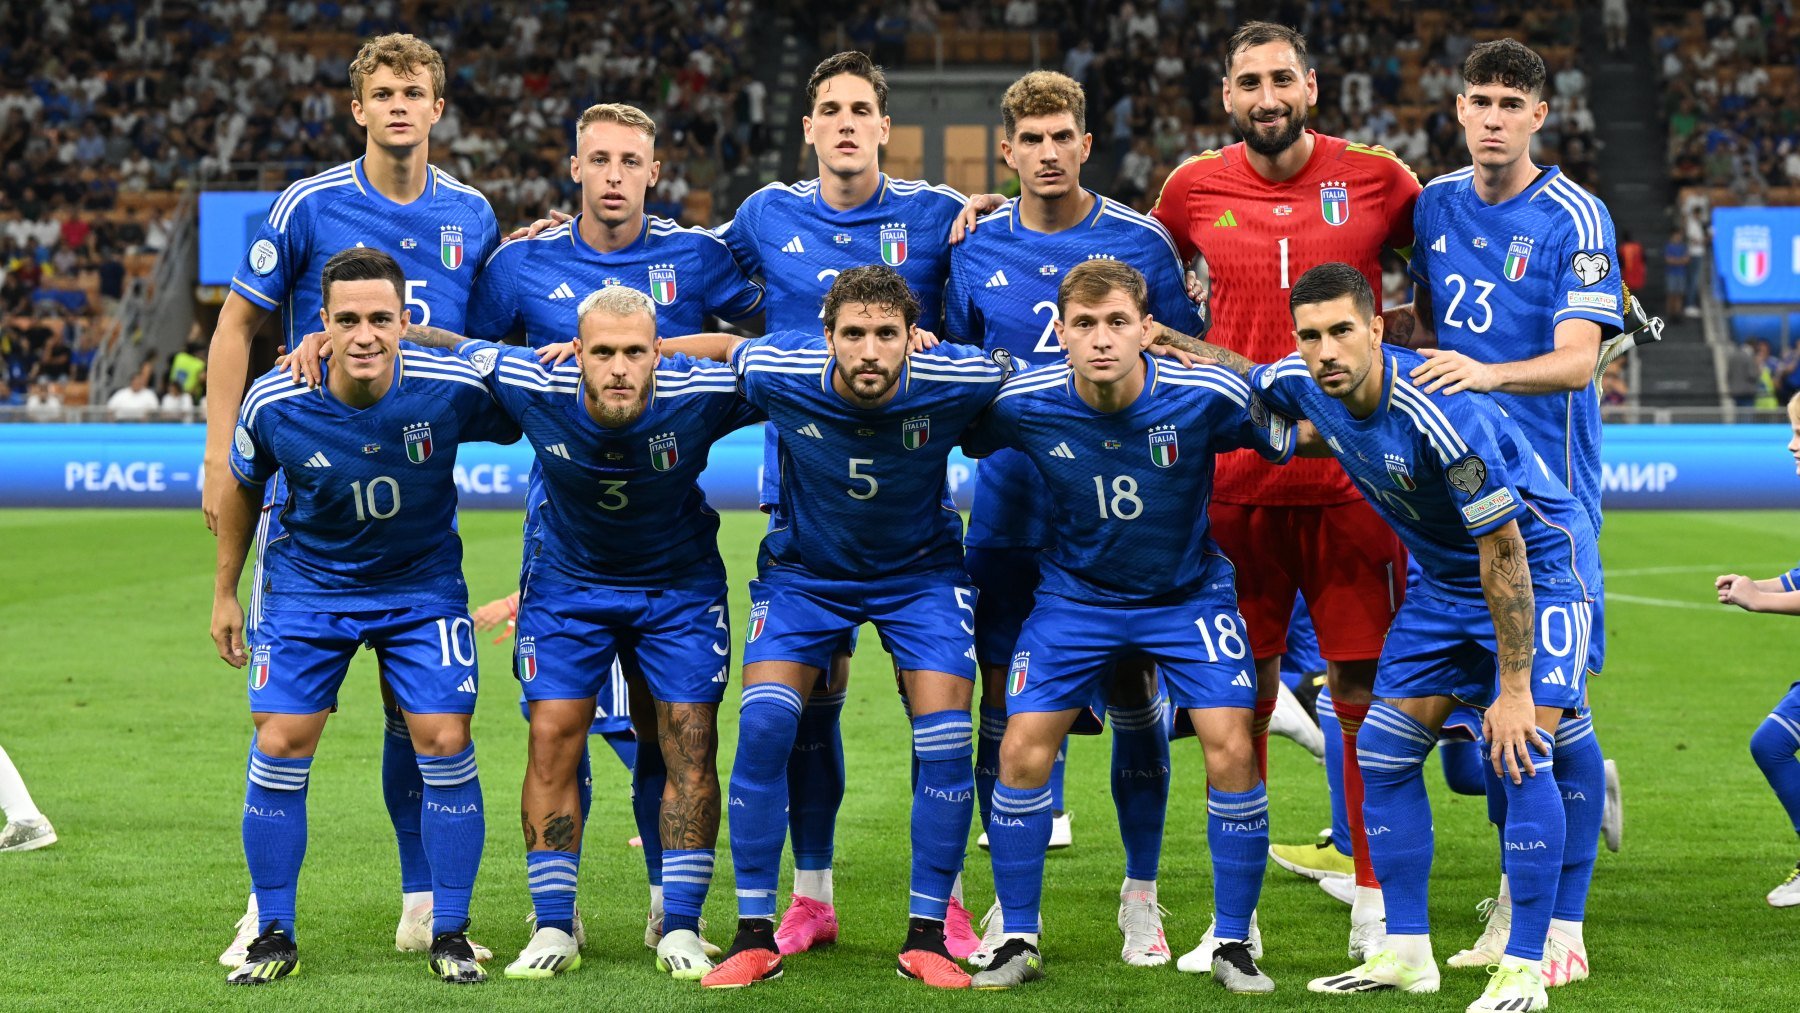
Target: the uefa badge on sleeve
(418, 442)
(527, 657)
(259, 668)
(1021, 668)
(759, 617)
(450, 246)
(1165, 446)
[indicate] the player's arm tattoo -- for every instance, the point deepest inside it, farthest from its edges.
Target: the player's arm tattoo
(688, 735)
(1401, 327)
(1239, 364)
(559, 832)
(432, 337)
(530, 831)
(1506, 582)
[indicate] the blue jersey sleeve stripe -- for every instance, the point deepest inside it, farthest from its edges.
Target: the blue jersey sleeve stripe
(447, 377)
(758, 367)
(1453, 177)
(991, 376)
(1430, 421)
(1033, 382)
(322, 185)
(1586, 229)
(251, 410)
(294, 191)
(700, 388)
(1124, 214)
(243, 289)
(1241, 397)
(439, 359)
(760, 352)
(246, 480)
(1587, 203)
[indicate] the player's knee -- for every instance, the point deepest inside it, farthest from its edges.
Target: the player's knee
(285, 743)
(1231, 763)
(1772, 744)
(1026, 763)
(554, 747)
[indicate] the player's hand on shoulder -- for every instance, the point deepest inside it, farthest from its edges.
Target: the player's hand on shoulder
(1196, 287)
(1182, 356)
(228, 630)
(922, 340)
(1452, 372)
(528, 231)
(306, 363)
(556, 354)
(978, 205)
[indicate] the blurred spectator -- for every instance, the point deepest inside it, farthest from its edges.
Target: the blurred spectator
(1614, 388)
(1631, 261)
(1676, 262)
(1765, 374)
(1786, 374)
(44, 404)
(136, 402)
(1743, 375)
(176, 406)
(1617, 21)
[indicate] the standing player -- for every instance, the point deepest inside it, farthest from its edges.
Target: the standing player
(535, 285)
(369, 555)
(1002, 293)
(1496, 544)
(1776, 741)
(439, 230)
(798, 238)
(1262, 212)
(635, 568)
(1518, 284)
(1125, 449)
(860, 534)
(27, 829)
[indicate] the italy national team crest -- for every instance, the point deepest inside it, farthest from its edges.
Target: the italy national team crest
(893, 244)
(759, 617)
(1164, 446)
(662, 283)
(1015, 679)
(418, 442)
(1400, 473)
(1334, 202)
(915, 432)
(527, 652)
(664, 452)
(1518, 255)
(450, 246)
(1750, 254)
(259, 668)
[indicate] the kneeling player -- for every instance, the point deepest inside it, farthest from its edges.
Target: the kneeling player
(1497, 615)
(1777, 739)
(1132, 574)
(370, 556)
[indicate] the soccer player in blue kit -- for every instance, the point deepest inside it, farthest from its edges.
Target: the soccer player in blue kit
(623, 555)
(860, 534)
(368, 555)
(533, 285)
(1518, 283)
(1498, 607)
(798, 238)
(440, 231)
(1002, 293)
(1124, 446)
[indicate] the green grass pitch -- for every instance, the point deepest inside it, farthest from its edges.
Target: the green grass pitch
(132, 734)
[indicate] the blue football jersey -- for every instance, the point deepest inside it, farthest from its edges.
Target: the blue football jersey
(534, 286)
(1129, 489)
(439, 240)
(1444, 469)
(863, 490)
(797, 244)
(1002, 294)
(371, 506)
(1502, 277)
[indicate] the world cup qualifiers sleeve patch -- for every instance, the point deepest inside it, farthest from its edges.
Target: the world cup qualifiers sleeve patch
(246, 448)
(1594, 300)
(263, 257)
(1488, 507)
(1468, 475)
(484, 360)
(1592, 267)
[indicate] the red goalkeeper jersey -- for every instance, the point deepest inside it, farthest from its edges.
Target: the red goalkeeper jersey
(1348, 203)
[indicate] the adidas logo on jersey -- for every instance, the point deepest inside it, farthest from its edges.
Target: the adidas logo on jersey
(467, 685)
(1555, 678)
(1440, 246)
(998, 280)
(559, 449)
(317, 460)
(1243, 679)
(1062, 450)
(794, 246)
(562, 291)
(810, 429)
(1226, 221)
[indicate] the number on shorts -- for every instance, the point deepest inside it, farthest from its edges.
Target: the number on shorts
(451, 635)
(1230, 641)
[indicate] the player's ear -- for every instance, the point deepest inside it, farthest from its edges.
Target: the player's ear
(806, 125)
(575, 168)
(1087, 146)
(1538, 112)
(1376, 326)
(1060, 343)
(1151, 330)
(1006, 154)
(437, 111)
(356, 112)
(887, 124)
(1312, 87)
(655, 171)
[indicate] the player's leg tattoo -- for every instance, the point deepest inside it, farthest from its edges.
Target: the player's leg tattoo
(688, 734)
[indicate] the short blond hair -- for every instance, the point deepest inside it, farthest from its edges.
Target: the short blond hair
(616, 301)
(616, 112)
(1043, 93)
(403, 54)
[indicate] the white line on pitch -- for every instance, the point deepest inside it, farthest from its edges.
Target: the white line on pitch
(1633, 599)
(1651, 571)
